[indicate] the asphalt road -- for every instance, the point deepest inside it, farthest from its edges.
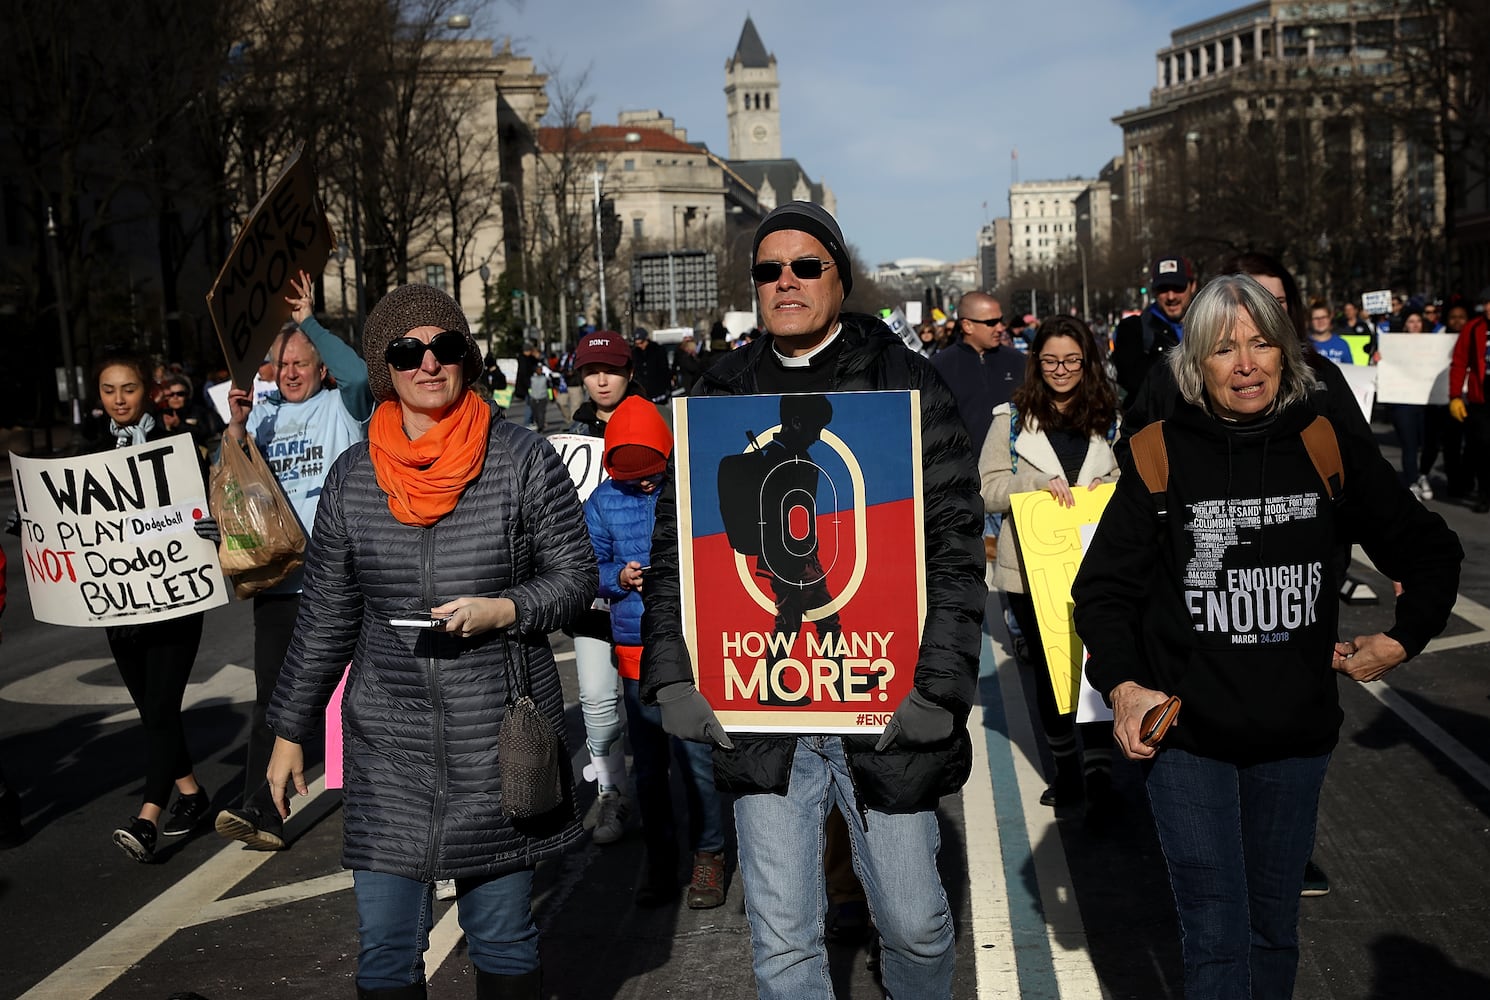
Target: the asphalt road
(1046, 906)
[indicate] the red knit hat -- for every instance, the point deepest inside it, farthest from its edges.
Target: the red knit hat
(634, 461)
(637, 441)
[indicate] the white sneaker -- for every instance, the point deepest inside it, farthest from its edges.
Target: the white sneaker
(610, 820)
(1424, 489)
(445, 888)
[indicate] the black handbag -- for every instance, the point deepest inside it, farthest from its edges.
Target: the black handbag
(527, 747)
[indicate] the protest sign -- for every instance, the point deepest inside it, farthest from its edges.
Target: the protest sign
(1360, 343)
(108, 538)
(1089, 705)
(1362, 381)
(1050, 549)
(287, 232)
(582, 456)
(896, 321)
(801, 556)
(1377, 303)
(1414, 368)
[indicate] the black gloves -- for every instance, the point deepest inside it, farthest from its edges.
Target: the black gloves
(917, 722)
(686, 714)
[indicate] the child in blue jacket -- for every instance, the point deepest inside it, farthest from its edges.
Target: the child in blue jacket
(620, 513)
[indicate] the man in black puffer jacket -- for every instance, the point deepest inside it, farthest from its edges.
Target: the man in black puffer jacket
(889, 785)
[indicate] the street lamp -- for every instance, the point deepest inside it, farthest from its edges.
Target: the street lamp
(533, 318)
(486, 305)
(1086, 307)
(598, 176)
(70, 390)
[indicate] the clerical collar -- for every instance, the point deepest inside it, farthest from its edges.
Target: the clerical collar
(806, 360)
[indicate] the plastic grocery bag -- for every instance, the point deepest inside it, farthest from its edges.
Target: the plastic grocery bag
(262, 542)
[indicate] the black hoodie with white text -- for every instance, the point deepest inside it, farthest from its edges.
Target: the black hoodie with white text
(1230, 601)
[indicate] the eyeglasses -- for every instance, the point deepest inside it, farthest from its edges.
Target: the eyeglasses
(407, 353)
(1070, 364)
(990, 323)
(175, 394)
(806, 268)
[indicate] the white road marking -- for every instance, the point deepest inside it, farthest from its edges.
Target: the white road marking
(64, 685)
(126, 945)
(1070, 951)
(988, 894)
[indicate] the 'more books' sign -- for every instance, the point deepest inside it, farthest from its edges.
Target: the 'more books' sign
(109, 538)
(287, 232)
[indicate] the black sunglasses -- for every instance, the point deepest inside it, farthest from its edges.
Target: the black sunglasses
(806, 268)
(407, 353)
(990, 323)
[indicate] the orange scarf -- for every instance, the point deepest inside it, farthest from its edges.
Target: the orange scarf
(425, 478)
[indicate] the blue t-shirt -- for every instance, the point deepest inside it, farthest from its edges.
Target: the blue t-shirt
(1336, 349)
(299, 441)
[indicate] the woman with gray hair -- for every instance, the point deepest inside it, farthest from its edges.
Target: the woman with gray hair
(1221, 591)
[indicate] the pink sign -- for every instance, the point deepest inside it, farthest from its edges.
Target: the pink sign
(333, 733)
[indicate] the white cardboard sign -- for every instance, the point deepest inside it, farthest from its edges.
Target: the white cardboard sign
(109, 538)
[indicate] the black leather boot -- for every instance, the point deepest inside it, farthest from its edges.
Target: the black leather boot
(490, 986)
(415, 991)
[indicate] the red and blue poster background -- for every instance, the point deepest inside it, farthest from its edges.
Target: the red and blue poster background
(802, 556)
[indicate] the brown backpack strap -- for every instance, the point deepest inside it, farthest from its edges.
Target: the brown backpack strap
(1324, 452)
(1151, 459)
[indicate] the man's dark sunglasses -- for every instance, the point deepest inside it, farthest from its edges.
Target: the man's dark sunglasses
(806, 268)
(407, 353)
(991, 322)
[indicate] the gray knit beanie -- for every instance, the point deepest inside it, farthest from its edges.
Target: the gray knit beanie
(406, 308)
(814, 220)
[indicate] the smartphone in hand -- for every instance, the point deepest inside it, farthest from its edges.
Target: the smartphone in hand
(418, 619)
(1157, 720)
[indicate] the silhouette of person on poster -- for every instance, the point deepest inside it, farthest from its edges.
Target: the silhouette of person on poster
(768, 497)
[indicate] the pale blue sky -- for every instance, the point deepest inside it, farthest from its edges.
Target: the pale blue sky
(908, 110)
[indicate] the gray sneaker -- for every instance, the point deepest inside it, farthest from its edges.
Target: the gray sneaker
(610, 818)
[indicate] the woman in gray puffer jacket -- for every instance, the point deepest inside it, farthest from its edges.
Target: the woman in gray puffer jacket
(474, 522)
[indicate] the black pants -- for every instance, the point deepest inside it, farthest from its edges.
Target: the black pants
(155, 661)
(274, 624)
(1096, 737)
(1443, 434)
(1477, 446)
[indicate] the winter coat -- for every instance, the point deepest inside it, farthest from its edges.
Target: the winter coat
(620, 518)
(899, 779)
(1138, 344)
(1037, 465)
(422, 708)
(1229, 601)
(1467, 369)
(979, 382)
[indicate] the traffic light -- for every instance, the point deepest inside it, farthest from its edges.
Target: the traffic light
(610, 227)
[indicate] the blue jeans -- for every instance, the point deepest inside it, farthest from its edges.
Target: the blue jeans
(394, 916)
(599, 693)
(1236, 840)
(781, 860)
(650, 747)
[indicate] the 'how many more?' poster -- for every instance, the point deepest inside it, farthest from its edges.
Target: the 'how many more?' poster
(109, 538)
(801, 556)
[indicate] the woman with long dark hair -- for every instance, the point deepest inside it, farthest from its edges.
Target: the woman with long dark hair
(154, 658)
(1055, 435)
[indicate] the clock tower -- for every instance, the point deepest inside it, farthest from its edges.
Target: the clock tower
(751, 94)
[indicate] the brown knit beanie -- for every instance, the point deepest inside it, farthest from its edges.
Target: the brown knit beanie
(406, 308)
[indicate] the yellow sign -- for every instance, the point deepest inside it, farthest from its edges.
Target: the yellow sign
(1050, 548)
(1358, 353)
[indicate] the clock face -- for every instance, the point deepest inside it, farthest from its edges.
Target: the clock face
(759, 133)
